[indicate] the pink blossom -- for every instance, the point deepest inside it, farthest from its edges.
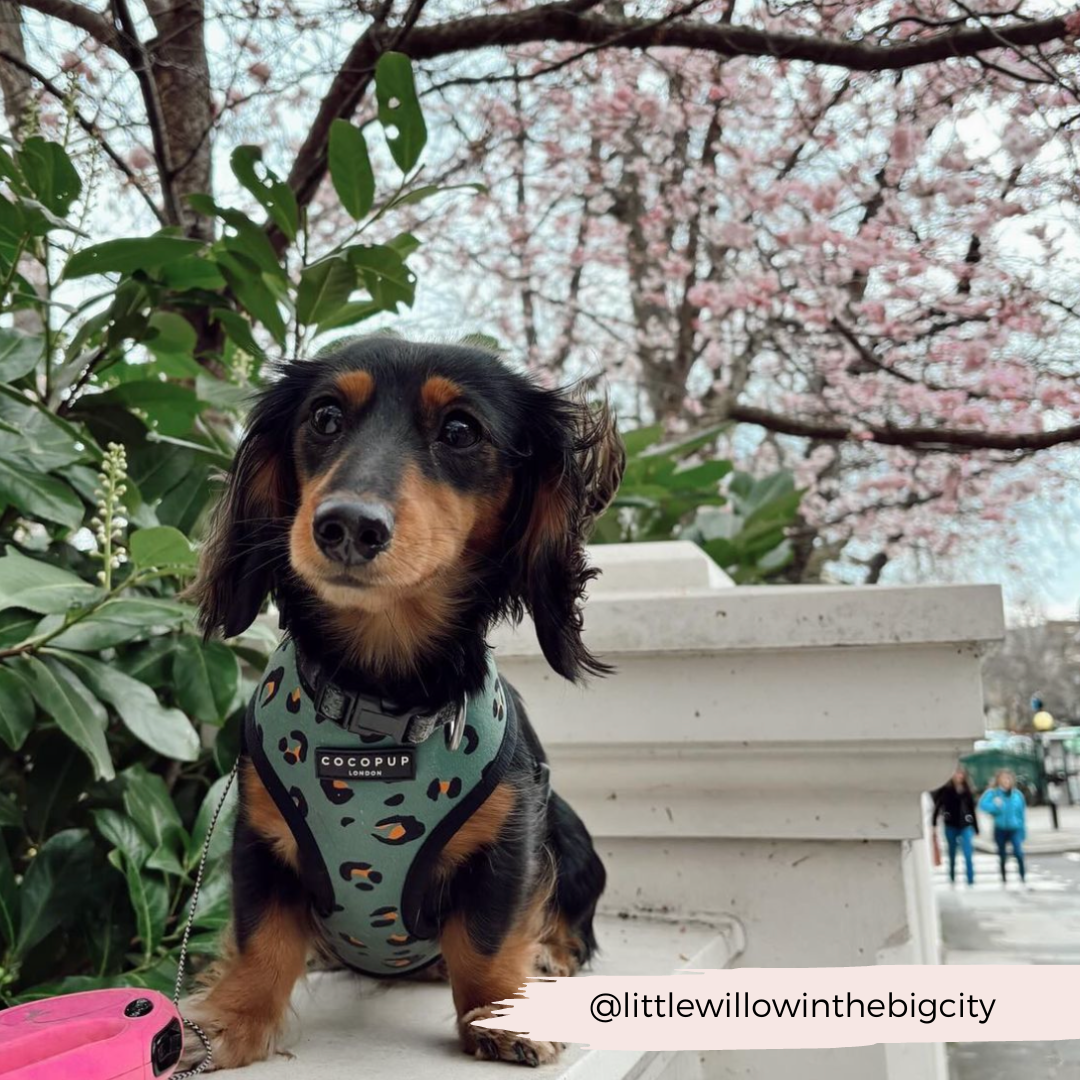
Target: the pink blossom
(139, 158)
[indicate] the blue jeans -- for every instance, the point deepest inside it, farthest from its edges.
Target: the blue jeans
(962, 835)
(1004, 837)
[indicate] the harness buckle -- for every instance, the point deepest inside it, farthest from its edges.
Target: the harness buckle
(359, 713)
(456, 727)
(370, 718)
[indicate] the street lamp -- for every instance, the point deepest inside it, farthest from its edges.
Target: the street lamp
(1043, 722)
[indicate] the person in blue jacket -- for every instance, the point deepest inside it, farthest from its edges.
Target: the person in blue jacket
(1005, 804)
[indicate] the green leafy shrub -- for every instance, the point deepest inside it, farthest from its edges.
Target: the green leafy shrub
(122, 383)
(740, 521)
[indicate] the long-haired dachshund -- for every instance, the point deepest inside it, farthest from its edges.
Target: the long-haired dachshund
(397, 500)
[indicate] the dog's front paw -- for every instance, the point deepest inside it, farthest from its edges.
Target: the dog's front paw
(237, 1038)
(492, 1044)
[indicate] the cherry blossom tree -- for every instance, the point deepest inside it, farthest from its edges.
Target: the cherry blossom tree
(875, 273)
(847, 231)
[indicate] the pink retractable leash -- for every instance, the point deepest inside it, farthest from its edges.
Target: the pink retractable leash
(119, 1034)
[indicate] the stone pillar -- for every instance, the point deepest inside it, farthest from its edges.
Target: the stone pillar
(761, 752)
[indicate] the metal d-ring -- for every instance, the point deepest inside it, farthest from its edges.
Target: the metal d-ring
(456, 728)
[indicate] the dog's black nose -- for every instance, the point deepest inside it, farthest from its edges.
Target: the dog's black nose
(352, 530)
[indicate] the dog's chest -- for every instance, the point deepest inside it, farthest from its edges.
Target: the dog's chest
(371, 818)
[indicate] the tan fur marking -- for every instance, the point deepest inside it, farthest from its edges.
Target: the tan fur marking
(356, 387)
(391, 638)
(560, 948)
(439, 392)
(265, 490)
(304, 553)
(549, 522)
(265, 818)
(410, 595)
(478, 980)
(482, 828)
(248, 991)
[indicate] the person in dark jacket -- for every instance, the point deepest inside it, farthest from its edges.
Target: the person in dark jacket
(954, 803)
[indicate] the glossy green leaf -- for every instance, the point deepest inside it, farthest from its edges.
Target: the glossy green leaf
(350, 314)
(120, 620)
(272, 193)
(705, 476)
(223, 395)
(16, 625)
(399, 109)
(130, 254)
(39, 586)
(32, 438)
(162, 548)
(168, 731)
(215, 899)
(350, 169)
(193, 272)
(10, 813)
(385, 275)
(39, 496)
(170, 409)
(149, 804)
(124, 835)
(165, 860)
(19, 354)
(221, 841)
(171, 334)
(78, 714)
(49, 174)
(53, 887)
(245, 238)
(150, 663)
(324, 288)
(207, 677)
(426, 191)
(149, 900)
(16, 707)
(62, 775)
(239, 331)
(9, 898)
(253, 294)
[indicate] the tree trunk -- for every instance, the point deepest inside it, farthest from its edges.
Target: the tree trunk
(15, 84)
(182, 76)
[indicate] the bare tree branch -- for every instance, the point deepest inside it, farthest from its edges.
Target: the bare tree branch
(570, 22)
(914, 438)
(134, 52)
(88, 126)
(97, 26)
(559, 22)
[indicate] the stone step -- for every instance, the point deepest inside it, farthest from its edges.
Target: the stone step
(345, 1026)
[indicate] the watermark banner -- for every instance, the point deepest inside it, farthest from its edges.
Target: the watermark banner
(799, 1008)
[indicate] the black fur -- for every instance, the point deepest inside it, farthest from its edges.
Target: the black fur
(562, 461)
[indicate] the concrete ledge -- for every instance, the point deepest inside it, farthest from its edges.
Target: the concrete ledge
(695, 621)
(665, 564)
(347, 1026)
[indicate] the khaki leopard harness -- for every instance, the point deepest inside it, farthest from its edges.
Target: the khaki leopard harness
(372, 796)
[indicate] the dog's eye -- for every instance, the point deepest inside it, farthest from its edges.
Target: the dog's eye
(326, 418)
(460, 431)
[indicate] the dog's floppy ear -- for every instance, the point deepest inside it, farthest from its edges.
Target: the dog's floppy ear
(247, 531)
(574, 468)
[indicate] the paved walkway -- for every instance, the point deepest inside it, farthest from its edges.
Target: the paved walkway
(988, 924)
